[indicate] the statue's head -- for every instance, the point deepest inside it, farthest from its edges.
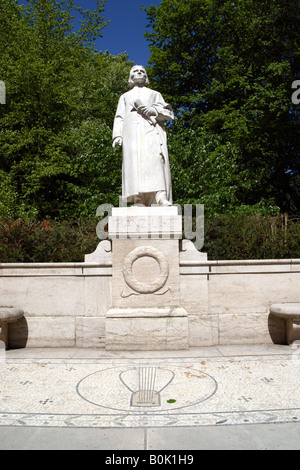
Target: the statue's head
(138, 76)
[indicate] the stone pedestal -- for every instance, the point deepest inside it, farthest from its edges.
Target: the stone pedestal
(146, 313)
(147, 329)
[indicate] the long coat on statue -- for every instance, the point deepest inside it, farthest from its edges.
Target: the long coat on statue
(145, 167)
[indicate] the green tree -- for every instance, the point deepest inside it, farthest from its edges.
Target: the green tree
(55, 142)
(227, 68)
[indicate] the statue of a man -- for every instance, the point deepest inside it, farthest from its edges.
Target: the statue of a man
(139, 129)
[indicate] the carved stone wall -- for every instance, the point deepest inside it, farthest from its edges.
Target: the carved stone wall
(227, 302)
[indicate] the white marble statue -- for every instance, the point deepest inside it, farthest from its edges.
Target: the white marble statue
(139, 129)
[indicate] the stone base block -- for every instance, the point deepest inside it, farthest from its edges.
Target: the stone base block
(244, 329)
(147, 329)
(43, 332)
(90, 332)
(204, 330)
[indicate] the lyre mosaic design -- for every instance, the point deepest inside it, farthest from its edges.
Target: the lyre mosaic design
(147, 380)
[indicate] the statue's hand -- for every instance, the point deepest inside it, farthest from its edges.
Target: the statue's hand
(117, 142)
(147, 111)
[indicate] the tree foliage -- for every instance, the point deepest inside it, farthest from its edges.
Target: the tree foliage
(227, 66)
(55, 141)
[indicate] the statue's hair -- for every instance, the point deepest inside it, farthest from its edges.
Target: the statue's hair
(130, 82)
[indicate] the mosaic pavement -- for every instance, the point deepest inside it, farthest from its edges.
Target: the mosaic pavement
(149, 392)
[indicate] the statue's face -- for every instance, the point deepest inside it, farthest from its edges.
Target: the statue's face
(138, 75)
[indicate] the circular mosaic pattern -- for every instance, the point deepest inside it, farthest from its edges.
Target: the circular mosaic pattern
(143, 287)
(143, 389)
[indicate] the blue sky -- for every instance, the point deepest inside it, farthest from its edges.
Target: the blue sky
(125, 32)
(127, 27)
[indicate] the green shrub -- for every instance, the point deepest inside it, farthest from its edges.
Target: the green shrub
(230, 237)
(252, 237)
(25, 241)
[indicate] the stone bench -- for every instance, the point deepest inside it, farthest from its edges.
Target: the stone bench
(290, 312)
(8, 315)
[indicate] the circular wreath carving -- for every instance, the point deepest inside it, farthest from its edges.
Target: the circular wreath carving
(142, 287)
